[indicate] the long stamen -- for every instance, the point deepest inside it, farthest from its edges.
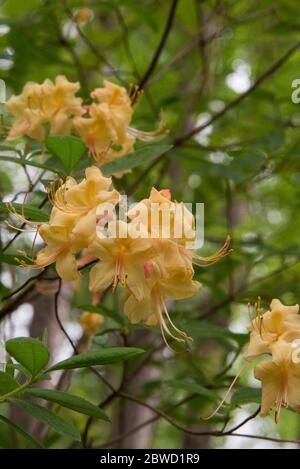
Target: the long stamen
(227, 392)
(282, 397)
(209, 260)
(57, 196)
(21, 217)
(21, 230)
(180, 332)
(154, 135)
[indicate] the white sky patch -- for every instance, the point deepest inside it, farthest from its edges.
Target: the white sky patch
(69, 30)
(274, 217)
(194, 181)
(6, 64)
(216, 105)
(6, 279)
(219, 157)
(4, 29)
(74, 331)
(18, 322)
(203, 136)
(258, 426)
(240, 79)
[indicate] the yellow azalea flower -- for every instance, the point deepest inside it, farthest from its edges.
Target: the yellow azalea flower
(107, 124)
(172, 226)
(122, 260)
(175, 284)
(63, 242)
(90, 322)
(117, 104)
(267, 327)
(98, 132)
(81, 199)
(280, 379)
(49, 103)
(165, 219)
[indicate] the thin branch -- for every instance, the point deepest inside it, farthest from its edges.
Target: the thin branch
(95, 50)
(24, 285)
(240, 425)
(160, 46)
(180, 140)
(59, 322)
(269, 72)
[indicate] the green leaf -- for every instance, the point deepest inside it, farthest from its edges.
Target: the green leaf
(30, 212)
(29, 438)
(145, 154)
(11, 259)
(19, 7)
(30, 353)
(23, 162)
(106, 356)
(246, 395)
(64, 399)
(48, 418)
(7, 383)
(4, 147)
(99, 309)
(191, 386)
(205, 330)
(68, 149)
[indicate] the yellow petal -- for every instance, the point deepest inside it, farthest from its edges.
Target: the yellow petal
(257, 346)
(66, 267)
(270, 376)
(101, 276)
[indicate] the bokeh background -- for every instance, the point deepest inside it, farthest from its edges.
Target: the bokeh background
(221, 58)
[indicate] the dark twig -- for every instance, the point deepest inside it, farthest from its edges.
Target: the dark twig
(61, 326)
(160, 46)
(264, 76)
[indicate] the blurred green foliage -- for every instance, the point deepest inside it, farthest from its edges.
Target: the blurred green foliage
(245, 167)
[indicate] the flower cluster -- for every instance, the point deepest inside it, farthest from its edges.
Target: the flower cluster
(151, 267)
(277, 333)
(104, 124)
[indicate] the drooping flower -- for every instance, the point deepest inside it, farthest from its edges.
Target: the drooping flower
(106, 127)
(172, 227)
(275, 333)
(63, 242)
(163, 284)
(80, 199)
(280, 378)
(122, 259)
(165, 219)
(98, 132)
(49, 103)
(268, 327)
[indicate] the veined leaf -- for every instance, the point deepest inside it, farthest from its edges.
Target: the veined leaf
(192, 387)
(64, 399)
(30, 353)
(68, 149)
(105, 356)
(7, 383)
(246, 395)
(48, 418)
(29, 212)
(23, 162)
(35, 443)
(10, 259)
(145, 154)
